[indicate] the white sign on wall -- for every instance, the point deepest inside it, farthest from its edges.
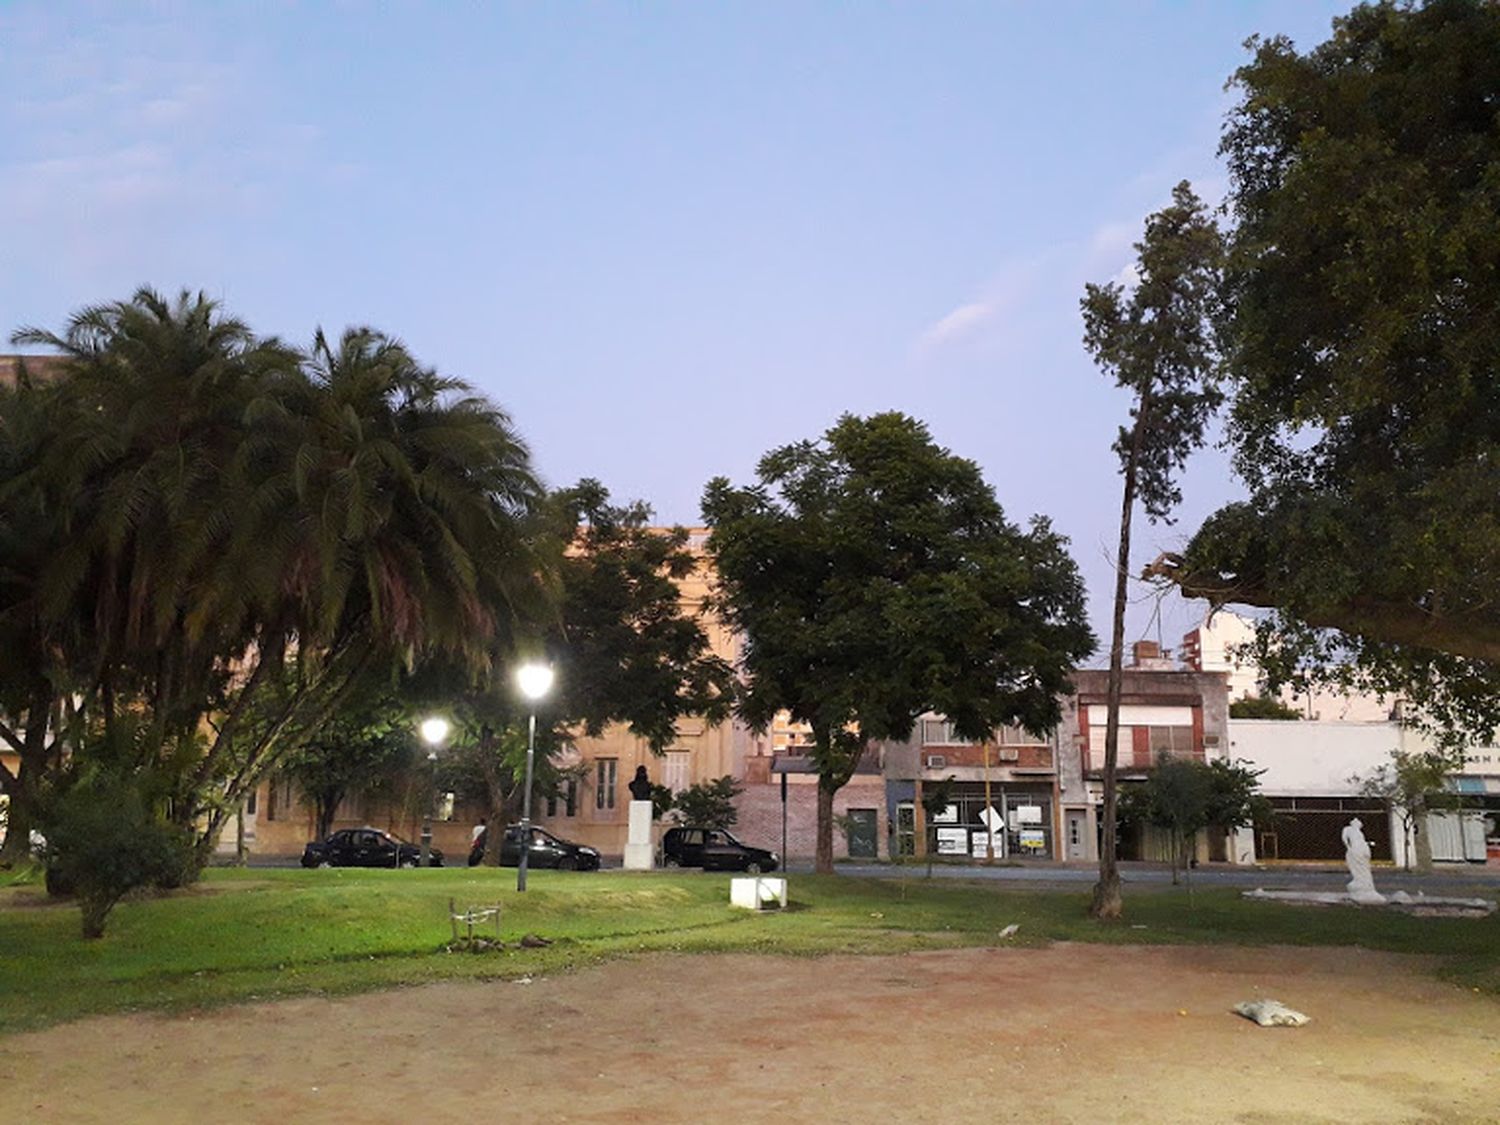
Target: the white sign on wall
(977, 844)
(953, 841)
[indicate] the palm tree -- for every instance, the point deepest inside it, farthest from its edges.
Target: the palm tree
(393, 511)
(33, 668)
(247, 529)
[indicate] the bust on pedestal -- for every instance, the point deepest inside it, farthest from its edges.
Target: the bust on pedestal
(640, 852)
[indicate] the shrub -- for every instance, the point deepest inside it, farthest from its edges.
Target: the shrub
(709, 804)
(105, 839)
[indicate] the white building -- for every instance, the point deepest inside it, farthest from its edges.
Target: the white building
(1313, 774)
(1214, 647)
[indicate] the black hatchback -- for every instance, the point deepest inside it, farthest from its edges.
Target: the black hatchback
(366, 847)
(714, 849)
(547, 850)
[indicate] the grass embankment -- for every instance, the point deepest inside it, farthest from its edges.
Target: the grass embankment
(243, 935)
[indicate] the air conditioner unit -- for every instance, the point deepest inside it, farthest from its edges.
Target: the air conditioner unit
(1008, 754)
(937, 762)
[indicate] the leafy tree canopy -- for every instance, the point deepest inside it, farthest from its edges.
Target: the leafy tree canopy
(874, 577)
(1413, 783)
(631, 647)
(709, 804)
(363, 748)
(1262, 707)
(1183, 796)
(1363, 349)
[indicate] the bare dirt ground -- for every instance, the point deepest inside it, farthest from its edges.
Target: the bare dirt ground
(1067, 1033)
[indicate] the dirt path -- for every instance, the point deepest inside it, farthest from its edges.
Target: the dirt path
(992, 1035)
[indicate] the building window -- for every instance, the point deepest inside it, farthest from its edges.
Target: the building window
(279, 799)
(677, 770)
(1017, 736)
(940, 732)
(1171, 742)
(607, 774)
(566, 796)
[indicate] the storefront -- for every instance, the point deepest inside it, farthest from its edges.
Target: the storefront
(1016, 821)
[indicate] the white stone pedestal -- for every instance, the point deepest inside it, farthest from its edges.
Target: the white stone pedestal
(756, 892)
(640, 852)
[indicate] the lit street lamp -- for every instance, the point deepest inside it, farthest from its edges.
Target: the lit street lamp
(534, 680)
(434, 732)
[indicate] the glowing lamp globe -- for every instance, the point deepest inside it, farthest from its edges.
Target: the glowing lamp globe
(534, 680)
(434, 731)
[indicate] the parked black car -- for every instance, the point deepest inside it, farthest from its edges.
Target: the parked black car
(547, 850)
(714, 849)
(366, 847)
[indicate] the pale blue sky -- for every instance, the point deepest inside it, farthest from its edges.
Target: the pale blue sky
(665, 237)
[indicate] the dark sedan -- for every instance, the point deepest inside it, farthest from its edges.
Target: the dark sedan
(366, 847)
(714, 849)
(547, 850)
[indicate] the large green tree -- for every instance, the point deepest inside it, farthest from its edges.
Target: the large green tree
(364, 748)
(1413, 783)
(874, 576)
(628, 647)
(1158, 340)
(1183, 796)
(237, 531)
(40, 650)
(1364, 354)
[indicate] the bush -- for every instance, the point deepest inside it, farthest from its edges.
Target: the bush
(105, 839)
(709, 804)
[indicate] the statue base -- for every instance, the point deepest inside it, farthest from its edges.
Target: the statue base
(640, 852)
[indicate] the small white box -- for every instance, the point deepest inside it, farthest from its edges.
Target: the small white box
(756, 892)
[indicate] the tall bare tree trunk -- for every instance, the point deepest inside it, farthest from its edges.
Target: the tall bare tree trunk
(1107, 903)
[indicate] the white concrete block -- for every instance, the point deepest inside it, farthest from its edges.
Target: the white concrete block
(756, 892)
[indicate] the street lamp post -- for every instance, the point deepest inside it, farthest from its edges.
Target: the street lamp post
(434, 732)
(534, 680)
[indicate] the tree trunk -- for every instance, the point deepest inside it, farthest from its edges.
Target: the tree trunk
(1107, 903)
(823, 864)
(239, 836)
(494, 835)
(1421, 841)
(95, 909)
(327, 804)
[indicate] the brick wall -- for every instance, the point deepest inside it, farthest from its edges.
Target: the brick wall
(760, 816)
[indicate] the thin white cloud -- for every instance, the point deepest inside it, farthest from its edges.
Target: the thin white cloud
(989, 315)
(959, 323)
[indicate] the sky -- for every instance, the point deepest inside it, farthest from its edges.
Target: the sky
(666, 238)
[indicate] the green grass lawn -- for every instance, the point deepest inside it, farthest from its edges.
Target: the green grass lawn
(243, 934)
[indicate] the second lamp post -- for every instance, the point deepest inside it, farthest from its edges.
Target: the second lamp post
(534, 680)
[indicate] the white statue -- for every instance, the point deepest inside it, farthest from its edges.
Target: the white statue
(1357, 856)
